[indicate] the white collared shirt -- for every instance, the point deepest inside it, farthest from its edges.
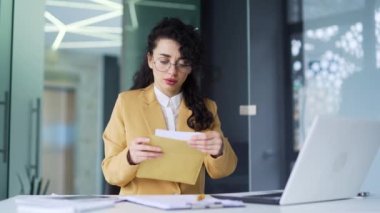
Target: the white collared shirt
(169, 106)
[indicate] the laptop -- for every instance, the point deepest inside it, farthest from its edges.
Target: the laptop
(332, 164)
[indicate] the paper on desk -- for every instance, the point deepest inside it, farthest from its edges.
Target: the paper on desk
(171, 202)
(63, 203)
(179, 162)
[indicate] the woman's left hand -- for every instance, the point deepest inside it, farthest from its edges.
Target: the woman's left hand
(208, 142)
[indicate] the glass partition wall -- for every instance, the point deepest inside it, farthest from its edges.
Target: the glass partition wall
(20, 95)
(335, 64)
(6, 18)
(79, 36)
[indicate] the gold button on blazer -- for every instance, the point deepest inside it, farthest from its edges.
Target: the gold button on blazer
(137, 113)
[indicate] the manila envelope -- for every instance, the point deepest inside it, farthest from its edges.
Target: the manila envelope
(179, 162)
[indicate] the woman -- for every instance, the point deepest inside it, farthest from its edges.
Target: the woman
(164, 96)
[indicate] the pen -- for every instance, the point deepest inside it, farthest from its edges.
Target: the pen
(201, 197)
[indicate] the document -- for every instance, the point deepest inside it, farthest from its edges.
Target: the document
(63, 203)
(173, 202)
(176, 135)
(179, 162)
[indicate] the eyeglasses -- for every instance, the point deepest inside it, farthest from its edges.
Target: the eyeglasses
(163, 65)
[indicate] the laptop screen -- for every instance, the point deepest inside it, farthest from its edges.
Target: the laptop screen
(333, 161)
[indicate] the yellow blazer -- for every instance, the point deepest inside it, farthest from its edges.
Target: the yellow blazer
(137, 113)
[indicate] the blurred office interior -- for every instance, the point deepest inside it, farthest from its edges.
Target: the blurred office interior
(63, 62)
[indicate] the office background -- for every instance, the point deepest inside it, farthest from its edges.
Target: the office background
(63, 63)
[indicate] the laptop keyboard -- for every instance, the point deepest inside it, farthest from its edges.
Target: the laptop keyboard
(270, 198)
(276, 194)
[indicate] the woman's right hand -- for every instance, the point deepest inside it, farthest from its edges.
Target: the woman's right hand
(140, 150)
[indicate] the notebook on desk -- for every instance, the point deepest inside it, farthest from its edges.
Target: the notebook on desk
(332, 164)
(64, 203)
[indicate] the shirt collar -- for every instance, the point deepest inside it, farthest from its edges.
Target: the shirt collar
(164, 100)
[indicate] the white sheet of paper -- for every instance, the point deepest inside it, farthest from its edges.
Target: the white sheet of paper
(176, 135)
(170, 202)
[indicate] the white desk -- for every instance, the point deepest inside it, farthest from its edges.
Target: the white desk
(370, 204)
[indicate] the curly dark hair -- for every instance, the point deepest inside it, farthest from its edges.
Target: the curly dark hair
(191, 49)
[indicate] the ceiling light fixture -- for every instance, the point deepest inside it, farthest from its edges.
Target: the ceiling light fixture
(95, 19)
(77, 5)
(110, 36)
(171, 5)
(90, 44)
(133, 15)
(61, 29)
(110, 4)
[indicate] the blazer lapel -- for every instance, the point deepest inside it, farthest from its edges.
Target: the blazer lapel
(152, 112)
(183, 114)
